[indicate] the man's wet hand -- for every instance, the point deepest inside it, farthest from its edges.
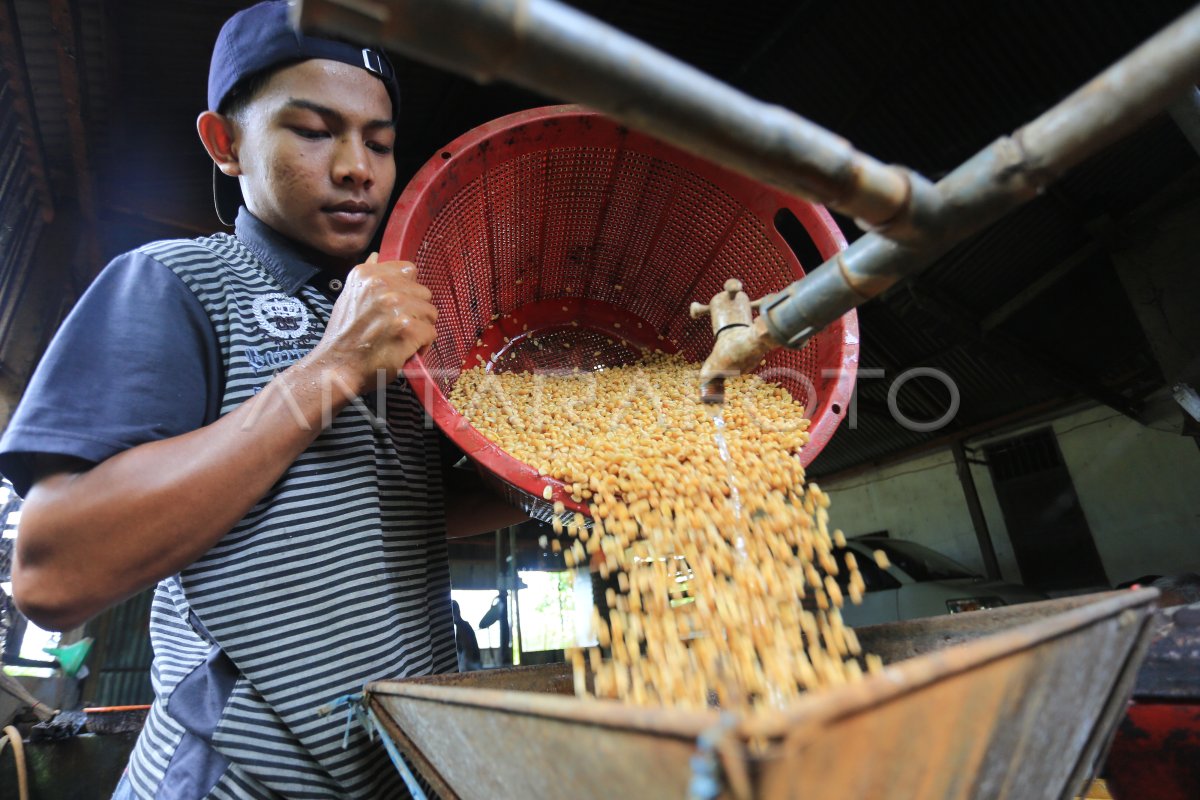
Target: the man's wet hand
(382, 318)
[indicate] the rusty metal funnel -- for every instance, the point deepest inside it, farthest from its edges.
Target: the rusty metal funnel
(1009, 703)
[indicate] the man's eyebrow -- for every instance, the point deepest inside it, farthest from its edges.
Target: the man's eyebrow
(325, 111)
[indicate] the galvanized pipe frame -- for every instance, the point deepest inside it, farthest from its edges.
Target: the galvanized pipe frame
(548, 47)
(553, 49)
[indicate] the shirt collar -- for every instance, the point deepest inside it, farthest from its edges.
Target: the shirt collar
(282, 257)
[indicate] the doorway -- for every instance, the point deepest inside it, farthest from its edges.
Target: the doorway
(1050, 536)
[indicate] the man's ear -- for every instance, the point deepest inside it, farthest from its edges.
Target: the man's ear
(217, 133)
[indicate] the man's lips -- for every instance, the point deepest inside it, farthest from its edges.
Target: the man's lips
(350, 212)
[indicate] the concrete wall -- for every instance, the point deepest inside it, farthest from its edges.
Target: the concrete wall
(1140, 491)
(1139, 488)
(920, 500)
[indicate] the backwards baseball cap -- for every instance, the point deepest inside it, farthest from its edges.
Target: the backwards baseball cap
(261, 37)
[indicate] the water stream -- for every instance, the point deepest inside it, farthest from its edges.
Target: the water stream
(735, 498)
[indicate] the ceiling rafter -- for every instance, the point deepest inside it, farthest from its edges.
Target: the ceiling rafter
(69, 54)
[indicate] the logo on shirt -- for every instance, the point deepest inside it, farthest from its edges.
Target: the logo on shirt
(281, 316)
(273, 360)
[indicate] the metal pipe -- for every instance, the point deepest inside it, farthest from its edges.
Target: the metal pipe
(1004, 175)
(515, 584)
(502, 597)
(553, 49)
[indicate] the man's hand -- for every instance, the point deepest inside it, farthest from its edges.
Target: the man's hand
(382, 318)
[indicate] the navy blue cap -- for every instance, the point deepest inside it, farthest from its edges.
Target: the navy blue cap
(262, 36)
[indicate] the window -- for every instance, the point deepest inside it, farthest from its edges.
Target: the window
(921, 563)
(874, 578)
(547, 610)
(22, 640)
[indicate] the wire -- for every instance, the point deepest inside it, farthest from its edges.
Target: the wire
(1118, 415)
(13, 735)
(887, 477)
(1090, 422)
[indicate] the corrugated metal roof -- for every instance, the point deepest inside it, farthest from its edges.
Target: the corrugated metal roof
(91, 29)
(40, 41)
(41, 61)
(20, 215)
(929, 85)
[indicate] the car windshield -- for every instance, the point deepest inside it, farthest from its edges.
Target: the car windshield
(921, 563)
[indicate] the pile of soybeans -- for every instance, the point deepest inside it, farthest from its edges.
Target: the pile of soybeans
(724, 580)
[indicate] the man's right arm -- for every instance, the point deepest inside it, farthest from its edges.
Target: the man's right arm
(90, 538)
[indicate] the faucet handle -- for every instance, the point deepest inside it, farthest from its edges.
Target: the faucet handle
(728, 293)
(730, 306)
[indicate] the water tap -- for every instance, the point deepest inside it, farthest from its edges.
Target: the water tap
(742, 339)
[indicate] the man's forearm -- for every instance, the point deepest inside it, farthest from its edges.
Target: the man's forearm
(90, 539)
(472, 508)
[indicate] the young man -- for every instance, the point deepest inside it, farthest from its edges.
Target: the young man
(222, 417)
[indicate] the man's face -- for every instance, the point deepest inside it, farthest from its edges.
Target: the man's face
(315, 152)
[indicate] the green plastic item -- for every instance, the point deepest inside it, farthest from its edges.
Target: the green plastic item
(71, 657)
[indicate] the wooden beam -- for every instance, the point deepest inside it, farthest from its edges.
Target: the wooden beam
(62, 19)
(1186, 113)
(1038, 287)
(12, 58)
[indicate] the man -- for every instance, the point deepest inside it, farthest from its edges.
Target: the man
(469, 657)
(222, 417)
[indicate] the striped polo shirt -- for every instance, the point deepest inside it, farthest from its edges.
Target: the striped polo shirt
(337, 577)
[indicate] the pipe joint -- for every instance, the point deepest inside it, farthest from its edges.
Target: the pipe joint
(917, 218)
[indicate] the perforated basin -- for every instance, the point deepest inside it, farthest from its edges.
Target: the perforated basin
(555, 239)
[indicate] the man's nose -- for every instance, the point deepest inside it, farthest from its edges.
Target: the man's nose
(351, 163)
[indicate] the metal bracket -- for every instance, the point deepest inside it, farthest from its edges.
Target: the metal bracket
(357, 710)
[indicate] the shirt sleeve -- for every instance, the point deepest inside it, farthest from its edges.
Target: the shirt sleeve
(135, 361)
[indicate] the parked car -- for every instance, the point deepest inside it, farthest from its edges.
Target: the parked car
(921, 583)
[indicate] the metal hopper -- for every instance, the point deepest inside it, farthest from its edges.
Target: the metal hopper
(1010, 703)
